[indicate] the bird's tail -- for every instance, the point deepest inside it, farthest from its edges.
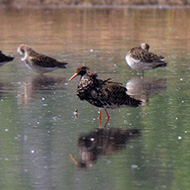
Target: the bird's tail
(62, 65)
(9, 58)
(160, 64)
(132, 102)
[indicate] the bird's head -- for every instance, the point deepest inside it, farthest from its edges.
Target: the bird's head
(145, 46)
(83, 70)
(22, 49)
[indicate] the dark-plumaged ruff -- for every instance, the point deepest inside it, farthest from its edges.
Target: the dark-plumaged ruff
(102, 93)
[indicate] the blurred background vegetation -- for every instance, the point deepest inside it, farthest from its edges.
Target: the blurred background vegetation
(25, 3)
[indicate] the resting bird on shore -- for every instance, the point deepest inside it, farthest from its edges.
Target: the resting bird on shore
(38, 62)
(102, 93)
(4, 58)
(140, 59)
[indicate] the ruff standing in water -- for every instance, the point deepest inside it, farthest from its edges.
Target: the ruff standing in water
(102, 93)
(4, 58)
(140, 59)
(38, 62)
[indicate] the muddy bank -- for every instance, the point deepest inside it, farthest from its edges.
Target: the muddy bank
(57, 3)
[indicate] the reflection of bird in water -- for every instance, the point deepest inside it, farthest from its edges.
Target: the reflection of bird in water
(102, 141)
(38, 62)
(102, 93)
(6, 89)
(35, 86)
(140, 59)
(143, 88)
(4, 58)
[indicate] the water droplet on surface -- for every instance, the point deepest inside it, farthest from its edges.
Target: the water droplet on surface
(134, 166)
(32, 151)
(25, 137)
(179, 137)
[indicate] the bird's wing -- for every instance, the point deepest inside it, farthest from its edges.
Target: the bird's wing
(145, 56)
(43, 60)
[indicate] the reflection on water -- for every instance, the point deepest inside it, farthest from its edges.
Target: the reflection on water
(102, 141)
(30, 89)
(6, 89)
(144, 88)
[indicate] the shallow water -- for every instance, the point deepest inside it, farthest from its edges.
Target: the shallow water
(43, 145)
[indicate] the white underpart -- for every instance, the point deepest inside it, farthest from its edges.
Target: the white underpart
(133, 63)
(40, 69)
(25, 56)
(139, 65)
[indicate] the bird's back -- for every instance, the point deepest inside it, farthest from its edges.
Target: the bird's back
(105, 93)
(144, 55)
(45, 61)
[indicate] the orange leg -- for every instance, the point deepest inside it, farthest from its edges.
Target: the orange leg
(100, 117)
(108, 117)
(74, 160)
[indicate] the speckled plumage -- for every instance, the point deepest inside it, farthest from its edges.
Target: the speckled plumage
(102, 93)
(38, 62)
(139, 58)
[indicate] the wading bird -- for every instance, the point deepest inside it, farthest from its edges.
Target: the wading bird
(38, 62)
(102, 93)
(140, 59)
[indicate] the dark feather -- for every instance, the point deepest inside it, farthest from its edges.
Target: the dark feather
(45, 61)
(4, 58)
(145, 56)
(104, 93)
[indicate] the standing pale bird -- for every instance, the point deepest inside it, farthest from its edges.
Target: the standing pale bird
(102, 93)
(38, 62)
(140, 59)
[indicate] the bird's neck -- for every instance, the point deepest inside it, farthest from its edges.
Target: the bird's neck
(86, 81)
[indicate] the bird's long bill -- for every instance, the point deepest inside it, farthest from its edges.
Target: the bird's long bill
(73, 76)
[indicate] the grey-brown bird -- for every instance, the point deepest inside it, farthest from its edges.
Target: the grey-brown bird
(38, 62)
(140, 59)
(102, 93)
(4, 58)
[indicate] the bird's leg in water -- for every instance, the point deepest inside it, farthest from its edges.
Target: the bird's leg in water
(100, 117)
(108, 117)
